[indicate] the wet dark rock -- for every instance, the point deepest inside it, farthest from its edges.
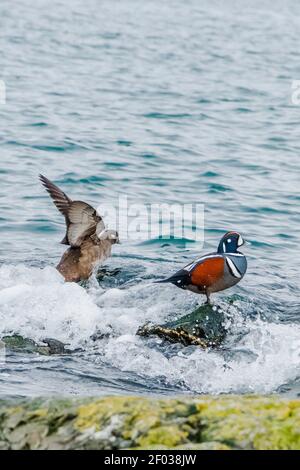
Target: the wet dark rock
(55, 346)
(203, 327)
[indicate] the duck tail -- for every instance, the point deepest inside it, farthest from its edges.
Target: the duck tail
(163, 281)
(179, 279)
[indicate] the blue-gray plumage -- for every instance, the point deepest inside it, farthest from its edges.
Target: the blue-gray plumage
(216, 271)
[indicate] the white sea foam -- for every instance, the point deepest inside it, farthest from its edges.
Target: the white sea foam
(274, 361)
(36, 303)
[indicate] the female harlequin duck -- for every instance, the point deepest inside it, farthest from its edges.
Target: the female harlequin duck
(216, 271)
(90, 243)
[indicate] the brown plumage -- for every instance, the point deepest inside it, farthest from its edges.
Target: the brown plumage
(90, 243)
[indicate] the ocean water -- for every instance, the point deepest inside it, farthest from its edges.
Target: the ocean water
(162, 101)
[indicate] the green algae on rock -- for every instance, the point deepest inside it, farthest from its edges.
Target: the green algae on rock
(218, 423)
(47, 347)
(203, 327)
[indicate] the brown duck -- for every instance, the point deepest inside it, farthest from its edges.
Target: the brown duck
(90, 243)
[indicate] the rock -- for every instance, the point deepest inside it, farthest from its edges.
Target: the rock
(216, 423)
(50, 346)
(203, 327)
(55, 346)
(18, 343)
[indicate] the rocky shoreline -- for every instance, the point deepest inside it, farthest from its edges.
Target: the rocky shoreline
(218, 423)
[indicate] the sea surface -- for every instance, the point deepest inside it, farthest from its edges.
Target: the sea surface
(164, 102)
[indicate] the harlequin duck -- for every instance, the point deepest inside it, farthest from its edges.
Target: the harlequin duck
(90, 243)
(213, 272)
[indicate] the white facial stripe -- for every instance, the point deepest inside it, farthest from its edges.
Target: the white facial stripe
(233, 269)
(240, 241)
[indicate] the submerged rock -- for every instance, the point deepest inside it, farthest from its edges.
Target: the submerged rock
(203, 327)
(227, 422)
(19, 343)
(55, 346)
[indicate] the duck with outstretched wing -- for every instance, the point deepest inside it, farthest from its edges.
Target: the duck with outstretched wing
(90, 242)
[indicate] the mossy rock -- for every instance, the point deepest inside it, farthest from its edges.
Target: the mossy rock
(19, 343)
(203, 327)
(216, 423)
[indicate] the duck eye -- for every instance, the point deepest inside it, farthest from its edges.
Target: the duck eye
(229, 240)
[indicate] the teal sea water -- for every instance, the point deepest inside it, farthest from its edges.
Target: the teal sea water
(165, 102)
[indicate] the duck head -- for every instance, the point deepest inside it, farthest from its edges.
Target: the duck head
(230, 242)
(110, 235)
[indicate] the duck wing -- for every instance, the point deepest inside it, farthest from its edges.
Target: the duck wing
(82, 220)
(60, 199)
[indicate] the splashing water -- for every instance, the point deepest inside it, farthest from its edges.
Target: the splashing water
(258, 357)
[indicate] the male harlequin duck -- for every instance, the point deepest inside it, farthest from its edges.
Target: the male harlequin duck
(216, 271)
(90, 243)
